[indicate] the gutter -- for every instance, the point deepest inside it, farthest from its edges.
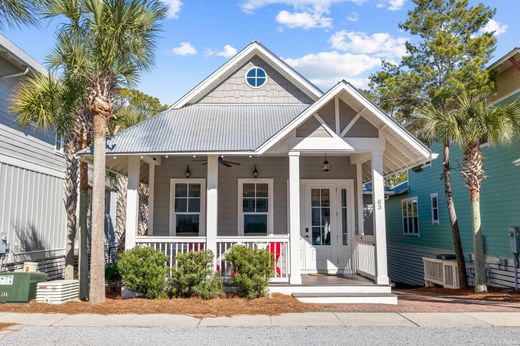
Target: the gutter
(16, 74)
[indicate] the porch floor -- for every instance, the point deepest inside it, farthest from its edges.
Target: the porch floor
(335, 280)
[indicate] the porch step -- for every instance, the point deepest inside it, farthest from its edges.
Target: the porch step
(326, 289)
(347, 298)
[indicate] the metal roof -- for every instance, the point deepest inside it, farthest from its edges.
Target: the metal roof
(205, 128)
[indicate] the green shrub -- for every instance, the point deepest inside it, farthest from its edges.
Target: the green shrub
(144, 270)
(112, 275)
(252, 270)
(194, 276)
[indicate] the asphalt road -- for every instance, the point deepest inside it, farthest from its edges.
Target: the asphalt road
(113, 336)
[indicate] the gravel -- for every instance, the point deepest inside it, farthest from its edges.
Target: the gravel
(261, 336)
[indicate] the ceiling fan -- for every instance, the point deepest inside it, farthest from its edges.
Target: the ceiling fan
(221, 160)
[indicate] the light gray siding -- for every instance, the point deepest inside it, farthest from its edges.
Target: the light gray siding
(32, 215)
(235, 90)
(276, 168)
(26, 144)
(312, 128)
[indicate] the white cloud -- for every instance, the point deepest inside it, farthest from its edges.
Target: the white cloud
(320, 5)
(327, 68)
(303, 20)
(494, 26)
(392, 5)
(174, 7)
(184, 49)
(353, 17)
(381, 45)
(227, 52)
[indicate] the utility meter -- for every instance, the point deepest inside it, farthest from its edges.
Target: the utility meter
(514, 239)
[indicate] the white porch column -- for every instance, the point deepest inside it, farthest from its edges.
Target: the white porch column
(212, 204)
(151, 190)
(132, 201)
(294, 218)
(378, 200)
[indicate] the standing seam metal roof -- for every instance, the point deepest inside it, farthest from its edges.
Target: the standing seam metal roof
(206, 128)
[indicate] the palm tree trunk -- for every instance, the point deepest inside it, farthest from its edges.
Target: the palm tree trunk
(455, 233)
(122, 189)
(71, 200)
(97, 252)
(83, 229)
(142, 223)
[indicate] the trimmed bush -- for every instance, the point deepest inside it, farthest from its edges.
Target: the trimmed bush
(194, 276)
(253, 268)
(144, 271)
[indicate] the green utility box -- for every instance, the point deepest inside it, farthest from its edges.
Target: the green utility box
(19, 287)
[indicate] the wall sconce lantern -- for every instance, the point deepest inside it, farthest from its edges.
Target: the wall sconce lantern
(255, 172)
(326, 165)
(187, 174)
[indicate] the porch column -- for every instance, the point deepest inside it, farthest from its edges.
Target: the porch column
(294, 218)
(378, 200)
(151, 191)
(132, 201)
(212, 205)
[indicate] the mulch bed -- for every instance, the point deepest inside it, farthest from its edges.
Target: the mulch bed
(494, 294)
(228, 306)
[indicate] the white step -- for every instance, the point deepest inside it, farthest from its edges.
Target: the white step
(346, 298)
(292, 289)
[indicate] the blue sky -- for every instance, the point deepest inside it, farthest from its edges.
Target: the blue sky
(325, 40)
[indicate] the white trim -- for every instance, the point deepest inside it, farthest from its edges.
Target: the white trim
(254, 48)
(325, 126)
(132, 201)
(151, 197)
(408, 200)
(246, 77)
(336, 114)
(295, 242)
(270, 204)
(202, 211)
(351, 123)
(21, 56)
(13, 161)
(436, 196)
(359, 193)
(502, 98)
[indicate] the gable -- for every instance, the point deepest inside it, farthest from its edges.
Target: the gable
(234, 89)
(312, 128)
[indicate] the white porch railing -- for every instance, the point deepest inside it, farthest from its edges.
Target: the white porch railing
(441, 272)
(366, 257)
(277, 245)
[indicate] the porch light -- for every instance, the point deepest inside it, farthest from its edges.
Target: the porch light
(326, 165)
(187, 174)
(255, 172)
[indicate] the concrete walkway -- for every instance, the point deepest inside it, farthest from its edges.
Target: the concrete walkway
(310, 319)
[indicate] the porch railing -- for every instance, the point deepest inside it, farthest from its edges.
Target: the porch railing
(366, 257)
(440, 272)
(277, 245)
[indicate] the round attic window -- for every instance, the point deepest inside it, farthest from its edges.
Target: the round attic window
(256, 77)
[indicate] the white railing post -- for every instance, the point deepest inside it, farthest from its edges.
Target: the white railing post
(378, 200)
(132, 201)
(212, 205)
(294, 216)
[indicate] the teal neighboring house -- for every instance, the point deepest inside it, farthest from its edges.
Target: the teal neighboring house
(417, 220)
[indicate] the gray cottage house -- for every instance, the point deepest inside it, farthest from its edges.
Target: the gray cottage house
(32, 215)
(256, 154)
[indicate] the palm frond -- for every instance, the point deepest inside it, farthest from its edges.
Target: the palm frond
(13, 13)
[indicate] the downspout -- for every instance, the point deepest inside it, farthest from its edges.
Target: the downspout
(16, 74)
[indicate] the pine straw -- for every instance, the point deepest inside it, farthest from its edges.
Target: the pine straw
(229, 306)
(5, 325)
(494, 294)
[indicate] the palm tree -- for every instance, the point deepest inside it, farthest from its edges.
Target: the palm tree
(13, 13)
(47, 103)
(472, 121)
(118, 39)
(429, 126)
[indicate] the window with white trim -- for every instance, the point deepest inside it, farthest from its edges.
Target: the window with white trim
(59, 144)
(434, 203)
(410, 215)
(255, 207)
(187, 201)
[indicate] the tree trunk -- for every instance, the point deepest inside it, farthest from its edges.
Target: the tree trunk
(122, 189)
(83, 229)
(71, 200)
(97, 251)
(455, 233)
(142, 223)
(473, 174)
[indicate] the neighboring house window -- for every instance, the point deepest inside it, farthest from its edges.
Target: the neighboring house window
(187, 207)
(255, 206)
(434, 199)
(426, 164)
(60, 142)
(256, 77)
(410, 216)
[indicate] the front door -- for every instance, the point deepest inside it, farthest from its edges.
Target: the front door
(327, 216)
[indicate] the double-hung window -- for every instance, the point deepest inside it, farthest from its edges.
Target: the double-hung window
(434, 201)
(410, 214)
(187, 200)
(255, 207)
